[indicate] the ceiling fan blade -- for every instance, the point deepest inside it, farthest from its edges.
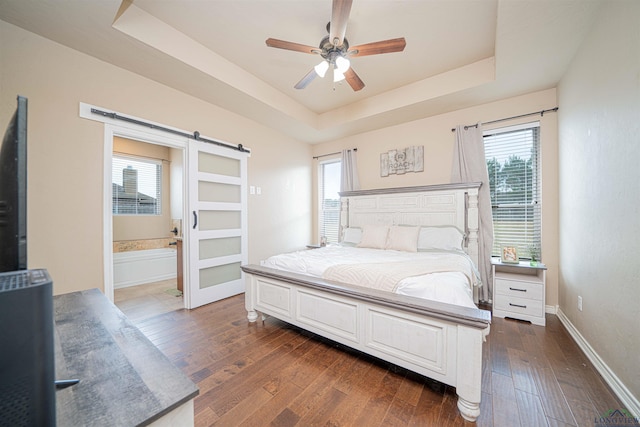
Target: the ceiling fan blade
(353, 79)
(375, 48)
(306, 79)
(339, 16)
(281, 44)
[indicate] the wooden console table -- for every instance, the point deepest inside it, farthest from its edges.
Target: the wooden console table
(124, 379)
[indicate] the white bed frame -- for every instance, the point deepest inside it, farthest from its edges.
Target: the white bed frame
(440, 341)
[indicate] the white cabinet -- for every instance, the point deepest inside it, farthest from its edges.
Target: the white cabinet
(519, 291)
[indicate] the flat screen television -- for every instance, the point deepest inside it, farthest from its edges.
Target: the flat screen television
(27, 360)
(13, 192)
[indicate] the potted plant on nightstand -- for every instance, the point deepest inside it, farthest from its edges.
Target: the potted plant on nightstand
(534, 254)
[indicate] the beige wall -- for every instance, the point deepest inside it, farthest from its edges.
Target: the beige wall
(66, 155)
(600, 190)
(134, 227)
(434, 133)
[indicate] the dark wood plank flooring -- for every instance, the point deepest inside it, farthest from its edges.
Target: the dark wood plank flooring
(271, 373)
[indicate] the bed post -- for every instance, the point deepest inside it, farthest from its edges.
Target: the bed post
(472, 224)
(344, 216)
(249, 298)
(472, 231)
(469, 370)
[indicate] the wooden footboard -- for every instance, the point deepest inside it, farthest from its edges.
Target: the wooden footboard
(440, 341)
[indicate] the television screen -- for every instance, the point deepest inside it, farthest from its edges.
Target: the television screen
(13, 192)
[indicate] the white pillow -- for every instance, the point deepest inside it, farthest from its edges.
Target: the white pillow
(374, 236)
(352, 236)
(440, 238)
(403, 238)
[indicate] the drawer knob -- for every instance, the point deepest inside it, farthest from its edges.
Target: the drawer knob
(517, 305)
(516, 289)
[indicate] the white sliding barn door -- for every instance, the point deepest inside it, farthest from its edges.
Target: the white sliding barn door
(217, 223)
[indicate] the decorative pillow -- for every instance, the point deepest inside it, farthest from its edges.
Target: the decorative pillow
(403, 238)
(352, 236)
(440, 238)
(374, 236)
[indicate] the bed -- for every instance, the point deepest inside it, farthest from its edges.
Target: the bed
(408, 314)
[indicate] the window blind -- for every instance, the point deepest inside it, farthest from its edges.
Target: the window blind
(136, 185)
(329, 200)
(513, 163)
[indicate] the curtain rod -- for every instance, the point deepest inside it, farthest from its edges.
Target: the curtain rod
(331, 154)
(195, 135)
(509, 118)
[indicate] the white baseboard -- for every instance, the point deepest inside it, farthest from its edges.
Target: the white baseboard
(551, 309)
(629, 400)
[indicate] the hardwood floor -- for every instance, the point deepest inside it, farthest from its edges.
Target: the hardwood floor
(271, 373)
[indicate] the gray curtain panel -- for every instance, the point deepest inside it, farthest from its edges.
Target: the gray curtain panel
(469, 165)
(349, 179)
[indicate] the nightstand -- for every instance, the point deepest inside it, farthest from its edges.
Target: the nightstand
(519, 291)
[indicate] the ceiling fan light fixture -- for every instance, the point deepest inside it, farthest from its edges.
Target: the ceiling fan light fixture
(335, 49)
(321, 68)
(342, 64)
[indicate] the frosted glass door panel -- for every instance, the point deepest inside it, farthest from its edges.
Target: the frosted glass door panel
(218, 220)
(224, 246)
(220, 165)
(217, 233)
(218, 192)
(213, 276)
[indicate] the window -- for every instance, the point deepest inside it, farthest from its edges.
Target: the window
(513, 163)
(136, 183)
(329, 200)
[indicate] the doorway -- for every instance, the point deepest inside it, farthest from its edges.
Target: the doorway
(138, 142)
(147, 227)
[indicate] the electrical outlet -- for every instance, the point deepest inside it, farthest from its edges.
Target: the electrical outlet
(580, 303)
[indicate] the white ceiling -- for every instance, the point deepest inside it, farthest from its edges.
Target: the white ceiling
(459, 53)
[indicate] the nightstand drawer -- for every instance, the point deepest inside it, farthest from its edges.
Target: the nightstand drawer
(518, 289)
(521, 306)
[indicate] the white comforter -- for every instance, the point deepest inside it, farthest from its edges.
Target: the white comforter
(448, 287)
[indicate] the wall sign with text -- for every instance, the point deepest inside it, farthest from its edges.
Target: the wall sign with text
(398, 162)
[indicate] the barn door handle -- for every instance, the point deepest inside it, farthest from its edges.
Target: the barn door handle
(195, 219)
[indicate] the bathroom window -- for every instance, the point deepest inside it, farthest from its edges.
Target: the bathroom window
(136, 183)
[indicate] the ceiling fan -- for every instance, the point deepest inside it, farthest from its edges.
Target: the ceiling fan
(335, 50)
